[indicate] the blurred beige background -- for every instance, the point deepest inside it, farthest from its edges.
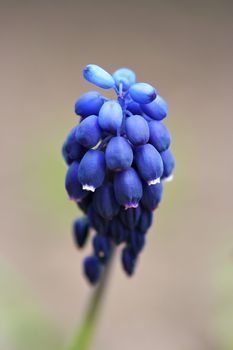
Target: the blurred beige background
(181, 296)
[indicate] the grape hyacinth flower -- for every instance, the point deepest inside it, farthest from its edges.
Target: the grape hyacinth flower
(118, 159)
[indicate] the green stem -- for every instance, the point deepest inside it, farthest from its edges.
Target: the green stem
(83, 338)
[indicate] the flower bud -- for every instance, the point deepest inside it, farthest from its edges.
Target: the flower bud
(125, 76)
(157, 109)
(137, 130)
(119, 154)
(128, 261)
(71, 149)
(80, 231)
(119, 232)
(72, 184)
(89, 104)
(110, 116)
(168, 164)
(91, 172)
(142, 93)
(105, 202)
(88, 132)
(134, 108)
(145, 220)
(92, 269)
(128, 188)
(84, 203)
(97, 222)
(159, 136)
(102, 248)
(98, 76)
(149, 163)
(136, 242)
(152, 195)
(130, 217)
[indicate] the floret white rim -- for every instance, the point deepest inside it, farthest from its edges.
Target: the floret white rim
(88, 188)
(154, 182)
(131, 205)
(169, 178)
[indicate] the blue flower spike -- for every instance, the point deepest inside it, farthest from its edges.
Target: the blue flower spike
(118, 160)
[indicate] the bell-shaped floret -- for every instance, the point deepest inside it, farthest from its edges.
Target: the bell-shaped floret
(128, 188)
(80, 231)
(137, 130)
(72, 184)
(168, 164)
(149, 163)
(111, 116)
(104, 201)
(91, 172)
(159, 136)
(119, 232)
(128, 261)
(88, 132)
(145, 220)
(125, 76)
(89, 104)
(157, 109)
(102, 248)
(142, 93)
(92, 269)
(130, 217)
(71, 149)
(98, 76)
(152, 195)
(119, 154)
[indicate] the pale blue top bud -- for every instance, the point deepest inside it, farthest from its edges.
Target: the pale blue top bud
(98, 76)
(125, 76)
(142, 93)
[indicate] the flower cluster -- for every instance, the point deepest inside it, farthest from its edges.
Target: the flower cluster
(117, 159)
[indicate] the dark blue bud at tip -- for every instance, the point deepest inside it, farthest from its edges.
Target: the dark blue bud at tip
(92, 269)
(80, 231)
(102, 248)
(128, 261)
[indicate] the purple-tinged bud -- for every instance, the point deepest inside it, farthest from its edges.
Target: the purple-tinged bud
(88, 132)
(102, 248)
(168, 165)
(142, 93)
(71, 149)
(97, 222)
(119, 154)
(128, 188)
(72, 184)
(98, 76)
(137, 130)
(104, 201)
(92, 269)
(159, 136)
(119, 232)
(80, 231)
(152, 195)
(110, 116)
(136, 242)
(157, 109)
(134, 107)
(130, 217)
(125, 76)
(145, 220)
(128, 261)
(89, 104)
(91, 172)
(149, 163)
